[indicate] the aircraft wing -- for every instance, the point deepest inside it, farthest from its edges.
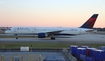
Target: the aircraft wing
(53, 32)
(92, 30)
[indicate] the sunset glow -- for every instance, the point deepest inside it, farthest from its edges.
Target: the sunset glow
(51, 13)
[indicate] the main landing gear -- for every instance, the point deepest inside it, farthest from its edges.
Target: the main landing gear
(52, 37)
(16, 36)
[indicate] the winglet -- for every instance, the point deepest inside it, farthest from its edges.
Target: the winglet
(90, 22)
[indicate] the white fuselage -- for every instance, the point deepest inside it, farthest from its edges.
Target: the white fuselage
(36, 30)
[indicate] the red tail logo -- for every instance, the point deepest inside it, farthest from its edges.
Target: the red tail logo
(91, 22)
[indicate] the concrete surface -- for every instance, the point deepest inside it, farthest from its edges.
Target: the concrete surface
(86, 38)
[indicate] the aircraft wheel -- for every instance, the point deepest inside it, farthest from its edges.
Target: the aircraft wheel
(52, 38)
(16, 37)
(15, 34)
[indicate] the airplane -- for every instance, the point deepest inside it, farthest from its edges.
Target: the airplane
(43, 32)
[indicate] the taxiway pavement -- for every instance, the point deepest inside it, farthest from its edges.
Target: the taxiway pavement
(85, 39)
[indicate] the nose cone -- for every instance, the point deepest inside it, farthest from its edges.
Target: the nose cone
(7, 31)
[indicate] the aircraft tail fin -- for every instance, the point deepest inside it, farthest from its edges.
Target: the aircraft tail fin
(90, 22)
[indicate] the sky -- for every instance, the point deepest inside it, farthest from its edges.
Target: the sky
(51, 13)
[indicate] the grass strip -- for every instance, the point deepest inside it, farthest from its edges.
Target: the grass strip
(44, 45)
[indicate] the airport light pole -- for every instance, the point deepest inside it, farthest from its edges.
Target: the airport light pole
(31, 48)
(31, 53)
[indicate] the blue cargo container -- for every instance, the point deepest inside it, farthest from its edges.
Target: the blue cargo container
(82, 57)
(73, 49)
(99, 55)
(81, 51)
(90, 59)
(85, 47)
(90, 51)
(102, 48)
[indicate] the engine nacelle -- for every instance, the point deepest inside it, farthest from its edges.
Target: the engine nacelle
(42, 35)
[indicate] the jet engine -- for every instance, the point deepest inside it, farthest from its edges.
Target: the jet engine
(42, 35)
